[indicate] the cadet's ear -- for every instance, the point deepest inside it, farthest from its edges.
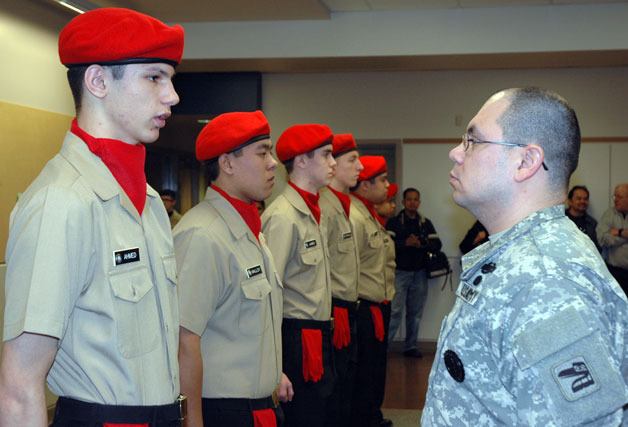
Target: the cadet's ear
(531, 160)
(300, 162)
(224, 164)
(95, 80)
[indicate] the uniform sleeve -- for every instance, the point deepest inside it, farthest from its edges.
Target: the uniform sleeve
(280, 237)
(605, 239)
(566, 364)
(200, 277)
(49, 261)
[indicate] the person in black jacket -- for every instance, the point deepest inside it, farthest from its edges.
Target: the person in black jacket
(414, 236)
(578, 202)
(476, 235)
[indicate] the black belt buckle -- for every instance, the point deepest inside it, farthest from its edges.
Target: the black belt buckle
(182, 401)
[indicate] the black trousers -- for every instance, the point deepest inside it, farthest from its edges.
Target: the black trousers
(308, 408)
(346, 362)
(75, 413)
(236, 412)
(371, 368)
(380, 379)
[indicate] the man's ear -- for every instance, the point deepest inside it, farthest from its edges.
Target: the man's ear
(531, 160)
(96, 81)
(224, 163)
(300, 161)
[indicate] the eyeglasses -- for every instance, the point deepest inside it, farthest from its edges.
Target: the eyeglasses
(468, 140)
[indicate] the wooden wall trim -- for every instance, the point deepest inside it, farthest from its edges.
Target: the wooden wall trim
(586, 139)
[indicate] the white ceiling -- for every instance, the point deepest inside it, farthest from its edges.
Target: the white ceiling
(320, 13)
(375, 5)
(276, 10)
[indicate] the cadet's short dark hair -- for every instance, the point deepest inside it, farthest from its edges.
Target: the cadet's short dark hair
(76, 76)
(212, 169)
(289, 164)
(577, 187)
(545, 118)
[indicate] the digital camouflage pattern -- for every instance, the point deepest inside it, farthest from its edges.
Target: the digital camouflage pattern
(537, 336)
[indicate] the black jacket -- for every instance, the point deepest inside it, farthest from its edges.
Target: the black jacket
(409, 258)
(467, 243)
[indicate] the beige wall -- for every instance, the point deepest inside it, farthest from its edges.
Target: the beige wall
(31, 73)
(35, 102)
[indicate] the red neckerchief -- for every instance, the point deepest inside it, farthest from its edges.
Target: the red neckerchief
(371, 208)
(124, 161)
(345, 200)
(248, 211)
(311, 200)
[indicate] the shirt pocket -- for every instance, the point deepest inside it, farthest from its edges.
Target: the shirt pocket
(170, 268)
(346, 246)
(311, 256)
(136, 311)
(375, 240)
(254, 307)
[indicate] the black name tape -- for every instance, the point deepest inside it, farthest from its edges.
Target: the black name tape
(310, 244)
(126, 256)
(254, 271)
(346, 236)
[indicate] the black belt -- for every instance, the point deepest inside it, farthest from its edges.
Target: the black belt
(351, 305)
(234, 404)
(366, 303)
(323, 325)
(73, 409)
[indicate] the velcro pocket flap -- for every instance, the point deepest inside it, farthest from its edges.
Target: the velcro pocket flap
(549, 336)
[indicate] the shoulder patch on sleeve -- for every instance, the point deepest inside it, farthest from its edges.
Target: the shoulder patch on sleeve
(573, 362)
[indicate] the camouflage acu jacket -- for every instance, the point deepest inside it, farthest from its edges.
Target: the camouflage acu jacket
(537, 335)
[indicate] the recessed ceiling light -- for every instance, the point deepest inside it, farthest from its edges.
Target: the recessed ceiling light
(78, 6)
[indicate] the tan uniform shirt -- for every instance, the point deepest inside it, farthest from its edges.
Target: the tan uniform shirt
(299, 248)
(370, 237)
(343, 256)
(84, 267)
(230, 296)
(389, 272)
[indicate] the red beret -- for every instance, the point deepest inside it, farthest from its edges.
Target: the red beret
(343, 143)
(110, 36)
(301, 139)
(392, 190)
(229, 132)
(373, 166)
